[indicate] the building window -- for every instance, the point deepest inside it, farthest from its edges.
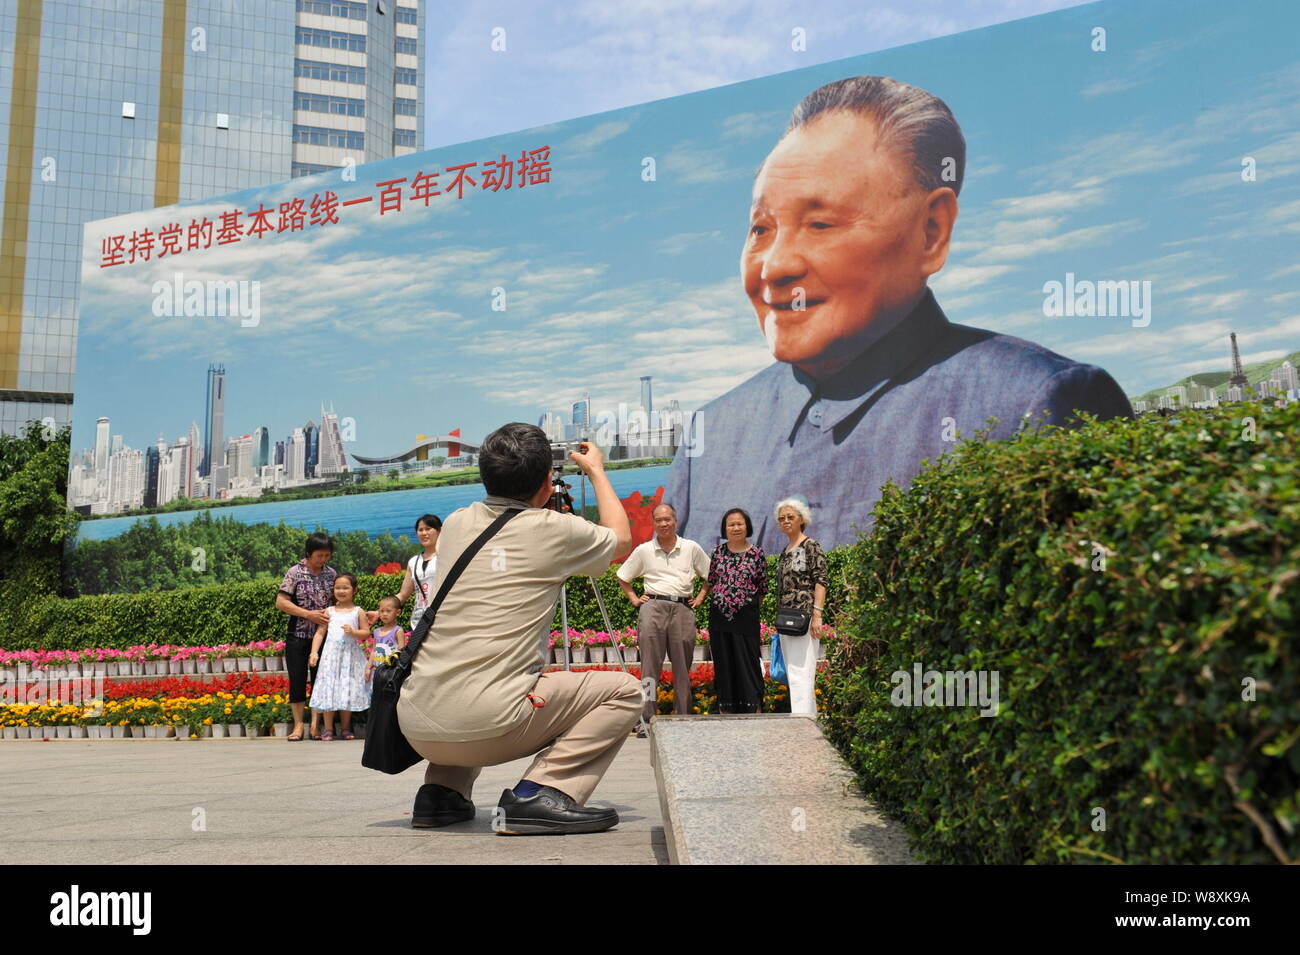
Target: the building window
(338, 72)
(331, 39)
(319, 136)
(301, 169)
(405, 75)
(404, 107)
(334, 8)
(407, 15)
(403, 137)
(337, 105)
(407, 45)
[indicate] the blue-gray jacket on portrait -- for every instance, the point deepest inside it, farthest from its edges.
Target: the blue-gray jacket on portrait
(902, 401)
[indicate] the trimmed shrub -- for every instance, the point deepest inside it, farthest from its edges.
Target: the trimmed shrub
(1135, 585)
(240, 612)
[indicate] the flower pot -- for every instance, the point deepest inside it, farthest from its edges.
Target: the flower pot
(207, 732)
(275, 663)
(281, 729)
(74, 669)
(176, 667)
(579, 654)
(95, 732)
(252, 732)
(11, 732)
(597, 654)
(235, 730)
(559, 655)
(229, 664)
(22, 732)
(698, 655)
(78, 732)
(62, 732)
(244, 664)
(258, 664)
(189, 665)
(110, 669)
(202, 666)
(137, 668)
(631, 654)
(767, 652)
(218, 730)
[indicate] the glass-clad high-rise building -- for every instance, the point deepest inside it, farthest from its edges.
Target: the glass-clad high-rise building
(114, 106)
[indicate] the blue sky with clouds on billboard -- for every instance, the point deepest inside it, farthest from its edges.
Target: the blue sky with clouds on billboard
(1115, 165)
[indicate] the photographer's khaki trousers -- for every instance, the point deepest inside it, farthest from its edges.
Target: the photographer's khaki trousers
(585, 720)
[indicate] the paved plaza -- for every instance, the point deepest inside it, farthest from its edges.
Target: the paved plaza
(147, 802)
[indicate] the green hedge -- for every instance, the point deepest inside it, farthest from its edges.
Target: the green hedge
(239, 612)
(1121, 682)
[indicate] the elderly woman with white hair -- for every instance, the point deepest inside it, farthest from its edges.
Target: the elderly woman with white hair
(801, 579)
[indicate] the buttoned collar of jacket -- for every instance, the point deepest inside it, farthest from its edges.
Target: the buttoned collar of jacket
(838, 397)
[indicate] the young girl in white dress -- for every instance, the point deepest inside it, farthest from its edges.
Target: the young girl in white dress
(341, 675)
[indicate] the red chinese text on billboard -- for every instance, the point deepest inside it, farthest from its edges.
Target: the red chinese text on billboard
(532, 168)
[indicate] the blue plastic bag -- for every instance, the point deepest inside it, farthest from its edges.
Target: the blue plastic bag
(778, 661)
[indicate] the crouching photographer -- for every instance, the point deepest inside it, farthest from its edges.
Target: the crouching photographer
(476, 695)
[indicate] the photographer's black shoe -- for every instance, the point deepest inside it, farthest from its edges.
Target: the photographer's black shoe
(437, 806)
(550, 812)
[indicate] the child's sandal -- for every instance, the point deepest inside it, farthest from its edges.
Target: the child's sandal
(327, 736)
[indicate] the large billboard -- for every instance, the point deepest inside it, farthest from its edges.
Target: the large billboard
(806, 284)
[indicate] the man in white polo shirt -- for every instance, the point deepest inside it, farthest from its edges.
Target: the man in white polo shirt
(666, 611)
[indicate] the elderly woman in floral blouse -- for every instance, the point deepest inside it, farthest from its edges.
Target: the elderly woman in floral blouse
(802, 578)
(737, 583)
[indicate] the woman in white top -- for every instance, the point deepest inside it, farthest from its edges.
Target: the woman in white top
(421, 570)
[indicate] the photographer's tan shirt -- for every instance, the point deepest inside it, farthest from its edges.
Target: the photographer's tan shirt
(484, 652)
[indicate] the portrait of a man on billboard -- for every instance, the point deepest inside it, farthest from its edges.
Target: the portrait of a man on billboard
(853, 211)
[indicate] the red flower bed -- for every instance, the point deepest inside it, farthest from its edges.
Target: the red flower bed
(250, 684)
(701, 673)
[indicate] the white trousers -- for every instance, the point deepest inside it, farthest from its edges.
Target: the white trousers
(801, 664)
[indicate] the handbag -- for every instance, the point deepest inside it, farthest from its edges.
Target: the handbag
(779, 673)
(386, 749)
(791, 622)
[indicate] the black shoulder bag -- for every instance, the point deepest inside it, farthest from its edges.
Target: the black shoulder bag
(789, 622)
(386, 749)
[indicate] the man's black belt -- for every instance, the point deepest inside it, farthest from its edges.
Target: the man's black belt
(676, 600)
